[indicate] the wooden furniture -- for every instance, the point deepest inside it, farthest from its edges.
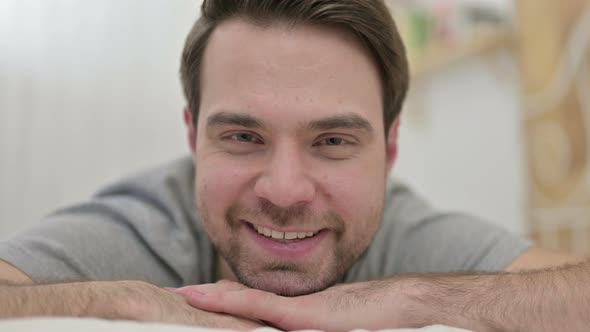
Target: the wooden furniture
(556, 123)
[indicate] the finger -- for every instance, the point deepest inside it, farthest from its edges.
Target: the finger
(231, 285)
(282, 312)
(224, 281)
(225, 286)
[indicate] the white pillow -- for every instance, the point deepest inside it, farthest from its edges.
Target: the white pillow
(99, 325)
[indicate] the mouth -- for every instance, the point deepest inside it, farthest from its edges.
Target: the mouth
(284, 237)
(286, 244)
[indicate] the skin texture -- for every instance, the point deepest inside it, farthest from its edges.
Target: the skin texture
(538, 259)
(127, 300)
(551, 299)
(343, 307)
(269, 152)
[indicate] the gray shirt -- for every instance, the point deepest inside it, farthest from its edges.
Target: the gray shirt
(146, 227)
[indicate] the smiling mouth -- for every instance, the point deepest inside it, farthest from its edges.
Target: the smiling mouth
(282, 236)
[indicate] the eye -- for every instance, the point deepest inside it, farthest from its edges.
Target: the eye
(337, 147)
(242, 137)
(240, 142)
(335, 141)
(245, 138)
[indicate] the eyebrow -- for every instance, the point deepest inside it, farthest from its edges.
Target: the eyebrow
(233, 119)
(347, 121)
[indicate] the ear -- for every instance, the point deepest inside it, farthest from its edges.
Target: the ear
(391, 145)
(190, 129)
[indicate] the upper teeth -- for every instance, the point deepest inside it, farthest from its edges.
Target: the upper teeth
(283, 235)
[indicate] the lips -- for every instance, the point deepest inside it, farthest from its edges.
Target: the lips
(286, 245)
(279, 235)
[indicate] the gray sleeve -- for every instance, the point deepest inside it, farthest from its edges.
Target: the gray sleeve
(415, 238)
(454, 242)
(124, 233)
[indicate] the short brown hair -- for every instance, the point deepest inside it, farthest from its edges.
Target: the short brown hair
(369, 20)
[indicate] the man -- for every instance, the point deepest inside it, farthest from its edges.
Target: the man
(292, 123)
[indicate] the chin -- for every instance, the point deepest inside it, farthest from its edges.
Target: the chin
(286, 283)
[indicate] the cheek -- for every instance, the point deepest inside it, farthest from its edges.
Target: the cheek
(218, 185)
(357, 196)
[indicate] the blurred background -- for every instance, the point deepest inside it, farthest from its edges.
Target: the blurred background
(495, 124)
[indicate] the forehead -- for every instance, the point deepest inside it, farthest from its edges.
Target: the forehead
(288, 73)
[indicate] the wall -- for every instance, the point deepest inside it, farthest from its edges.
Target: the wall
(89, 92)
(461, 141)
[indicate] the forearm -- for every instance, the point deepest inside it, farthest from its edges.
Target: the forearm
(87, 299)
(547, 300)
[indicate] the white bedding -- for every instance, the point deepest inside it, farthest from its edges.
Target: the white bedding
(98, 325)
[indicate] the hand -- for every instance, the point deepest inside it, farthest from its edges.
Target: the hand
(366, 305)
(145, 302)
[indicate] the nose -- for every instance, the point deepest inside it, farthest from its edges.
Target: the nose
(285, 180)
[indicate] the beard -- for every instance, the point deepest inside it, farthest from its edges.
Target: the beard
(282, 277)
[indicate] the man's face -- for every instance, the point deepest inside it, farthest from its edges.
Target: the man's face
(290, 153)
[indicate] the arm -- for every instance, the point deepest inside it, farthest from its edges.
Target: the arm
(554, 299)
(11, 275)
(73, 299)
(538, 259)
(544, 300)
(120, 300)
